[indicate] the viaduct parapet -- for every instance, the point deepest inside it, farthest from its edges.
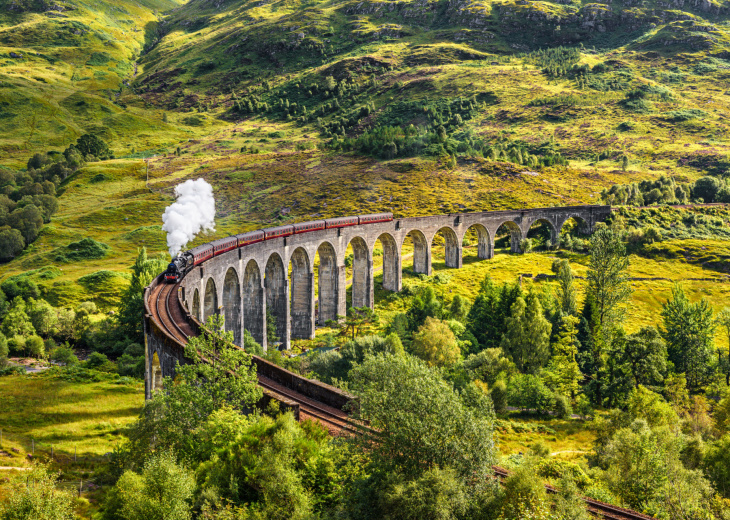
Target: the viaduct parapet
(278, 275)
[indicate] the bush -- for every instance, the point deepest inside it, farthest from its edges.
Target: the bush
(100, 362)
(528, 392)
(499, 396)
(12, 371)
(11, 243)
(91, 145)
(64, 355)
(35, 347)
(526, 245)
(562, 408)
(84, 249)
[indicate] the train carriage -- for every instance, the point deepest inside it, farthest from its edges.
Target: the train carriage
(341, 222)
(306, 227)
(278, 232)
(224, 245)
(252, 237)
(375, 217)
(202, 253)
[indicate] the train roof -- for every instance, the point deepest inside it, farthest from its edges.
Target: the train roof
(278, 228)
(200, 249)
(222, 241)
(254, 233)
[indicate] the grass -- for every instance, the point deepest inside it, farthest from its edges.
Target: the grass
(83, 418)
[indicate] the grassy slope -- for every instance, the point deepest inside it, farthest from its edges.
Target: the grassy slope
(201, 51)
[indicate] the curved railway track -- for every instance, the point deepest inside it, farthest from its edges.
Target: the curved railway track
(167, 312)
(595, 507)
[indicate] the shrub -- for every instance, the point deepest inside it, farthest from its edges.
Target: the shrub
(84, 249)
(36, 347)
(499, 396)
(562, 408)
(64, 354)
(528, 392)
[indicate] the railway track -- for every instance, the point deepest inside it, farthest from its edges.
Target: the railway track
(595, 507)
(167, 312)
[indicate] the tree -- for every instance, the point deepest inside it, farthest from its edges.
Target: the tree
(716, 465)
(526, 338)
(42, 316)
(459, 308)
(161, 492)
(566, 289)
(425, 304)
(723, 319)
(608, 292)
(689, 332)
(35, 347)
(11, 243)
(28, 220)
(4, 351)
(281, 468)
(219, 374)
(706, 188)
(608, 281)
(16, 321)
(436, 344)
(358, 318)
(490, 309)
(131, 305)
(34, 497)
(421, 423)
(89, 144)
(329, 83)
(645, 356)
(563, 373)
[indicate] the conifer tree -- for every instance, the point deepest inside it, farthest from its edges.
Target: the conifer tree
(526, 338)
(563, 374)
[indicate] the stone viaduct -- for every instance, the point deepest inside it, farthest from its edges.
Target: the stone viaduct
(279, 274)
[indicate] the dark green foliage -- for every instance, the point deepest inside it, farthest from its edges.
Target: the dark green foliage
(490, 309)
(28, 220)
(716, 464)
(91, 145)
(689, 330)
(131, 308)
(425, 304)
(557, 61)
(84, 249)
(20, 286)
(11, 243)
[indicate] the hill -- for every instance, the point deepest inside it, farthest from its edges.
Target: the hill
(296, 110)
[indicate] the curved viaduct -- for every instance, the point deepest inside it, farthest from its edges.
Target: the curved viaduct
(278, 275)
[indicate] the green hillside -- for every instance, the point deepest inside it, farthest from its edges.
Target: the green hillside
(298, 110)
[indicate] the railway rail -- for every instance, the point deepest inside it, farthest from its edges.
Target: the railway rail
(595, 507)
(167, 311)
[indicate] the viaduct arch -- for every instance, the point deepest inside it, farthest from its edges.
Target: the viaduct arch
(277, 277)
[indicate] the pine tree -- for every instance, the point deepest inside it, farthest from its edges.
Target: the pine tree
(563, 374)
(526, 338)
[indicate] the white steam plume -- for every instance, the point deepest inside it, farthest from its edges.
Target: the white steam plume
(191, 213)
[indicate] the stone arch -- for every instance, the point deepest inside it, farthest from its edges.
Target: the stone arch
(578, 223)
(254, 314)
(515, 235)
(302, 295)
(362, 273)
(452, 247)
(277, 292)
(232, 304)
(196, 304)
(552, 239)
(421, 253)
(484, 241)
(327, 285)
(210, 301)
(156, 373)
(391, 263)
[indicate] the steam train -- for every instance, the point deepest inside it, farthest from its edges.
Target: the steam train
(184, 262)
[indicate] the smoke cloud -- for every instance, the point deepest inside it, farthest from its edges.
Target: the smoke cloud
(191, 213)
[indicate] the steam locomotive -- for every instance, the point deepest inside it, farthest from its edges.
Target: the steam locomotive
(184, 262)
